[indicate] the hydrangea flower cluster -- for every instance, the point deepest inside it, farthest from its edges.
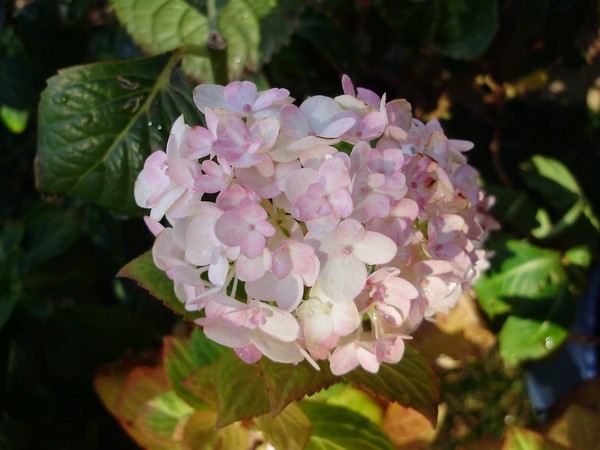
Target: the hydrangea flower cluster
(328, 230)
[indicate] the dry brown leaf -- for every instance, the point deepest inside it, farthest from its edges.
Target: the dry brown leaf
(408, 429)
(578, 428)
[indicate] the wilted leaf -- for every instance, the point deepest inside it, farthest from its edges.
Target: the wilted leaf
(411, 383)
(579, 427)
(407, 428)
(146, 274)
(337, 428)
(289, 430)
(518, 438)
(98, 123)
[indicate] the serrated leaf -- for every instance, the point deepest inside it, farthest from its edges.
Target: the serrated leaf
(519, 270)
(411, 383)
(147, 275)
(289, 430)
(467, 29)
(518, 438)
(241, 390)
(164, 25)
(337, 428)
(285, 383)
(99, 122)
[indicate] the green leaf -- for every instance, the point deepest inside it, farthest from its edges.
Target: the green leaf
(360, 402)
(98, 123)
(164, 25)
(50, 234)
(285, 383)
(146, 274)
(289, 430)
(337, 428)
(411, 383)
(519, 270)
(465, 28)
(14, 119)
(182, 356)
(202, 383)
(241, 390)
(164, 417)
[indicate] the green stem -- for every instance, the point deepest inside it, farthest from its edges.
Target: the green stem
(217, 46)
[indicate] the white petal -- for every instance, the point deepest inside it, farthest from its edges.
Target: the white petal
(342, 278)
(375, 248)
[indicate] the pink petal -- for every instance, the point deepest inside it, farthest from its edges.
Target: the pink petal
(375, 248)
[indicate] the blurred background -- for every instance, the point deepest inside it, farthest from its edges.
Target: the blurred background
(517, 78)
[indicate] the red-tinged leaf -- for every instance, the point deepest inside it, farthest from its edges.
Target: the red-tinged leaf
(579, 427)
(241, 390)
(411, 383)
(202, 383)
(290, 430)
(518, 438)
(407, 428)
(147, 275)
(287, 382)
(125, 392)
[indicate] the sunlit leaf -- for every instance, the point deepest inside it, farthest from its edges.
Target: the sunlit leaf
(146, 274)
(253, 30)
(407, 428)
(519, 270)
(98, 123)
(164, 417)
(360, 402)
(289, 430)
(411, 383)
(200, 433)
(337, 428)
(14, 119)
(518, 438)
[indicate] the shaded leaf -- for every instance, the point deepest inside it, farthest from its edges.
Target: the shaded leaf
(337, 428)
(289, 430)
(285, 383)
(465, 28)
(99, 122)
(147, 275)
(411, 383)
(202, 384)
(182, 356)
(241, 390)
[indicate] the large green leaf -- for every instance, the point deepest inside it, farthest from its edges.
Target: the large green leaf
(253, 29)
(465, 28)
(99, 122)
(411, 383)
(337, 428)
(519, 271)
(155, 281)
